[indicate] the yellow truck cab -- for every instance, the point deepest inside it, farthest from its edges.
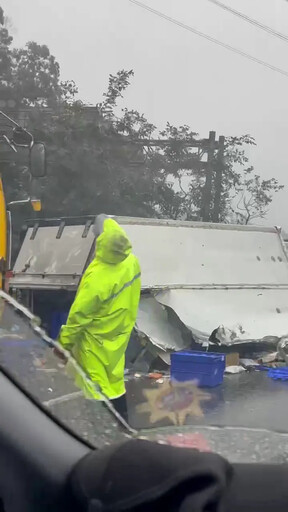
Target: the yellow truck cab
(17, 145)
(3, 233)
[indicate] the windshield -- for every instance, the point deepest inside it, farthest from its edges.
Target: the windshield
(147, 233)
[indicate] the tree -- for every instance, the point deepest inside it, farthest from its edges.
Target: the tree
(119, 176)
(94, 166)
(252, 198)
(5, 52)
(30, 75)
(245, 197)
(117, 85)
(96, 159)
(36, 77)
(183, 173)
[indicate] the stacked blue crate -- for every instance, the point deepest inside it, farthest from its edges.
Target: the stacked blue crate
(206, 368)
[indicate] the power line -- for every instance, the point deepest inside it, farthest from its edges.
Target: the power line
(209, 38)
(256, 23)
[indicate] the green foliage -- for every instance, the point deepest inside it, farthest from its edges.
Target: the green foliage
(252, 197)
(31, 74)
(117, 85)
(245, 197)
(5, 52)
(36, 77)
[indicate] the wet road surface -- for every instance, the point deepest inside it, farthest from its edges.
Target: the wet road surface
(245, 401)
(250, 400)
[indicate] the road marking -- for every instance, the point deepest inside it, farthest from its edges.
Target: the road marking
(47, 370)
(63, 398)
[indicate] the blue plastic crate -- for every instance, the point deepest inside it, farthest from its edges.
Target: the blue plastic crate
(278, 373)
(206, 368)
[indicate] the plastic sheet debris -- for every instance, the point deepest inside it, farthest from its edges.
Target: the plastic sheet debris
(278, 373)
(234, 369)
(268, 358)
(261, 368)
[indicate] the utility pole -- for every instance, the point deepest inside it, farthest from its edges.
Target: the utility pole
(218, 179)
(207, 189)
(213, 168)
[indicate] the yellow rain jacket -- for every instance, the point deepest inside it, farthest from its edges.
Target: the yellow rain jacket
(104, 313)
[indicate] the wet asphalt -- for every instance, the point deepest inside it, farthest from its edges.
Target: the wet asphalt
(253, 406)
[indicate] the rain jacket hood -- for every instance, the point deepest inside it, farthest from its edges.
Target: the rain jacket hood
(112, 245)
(104, 313)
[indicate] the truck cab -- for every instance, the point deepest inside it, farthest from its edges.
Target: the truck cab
(17, 148)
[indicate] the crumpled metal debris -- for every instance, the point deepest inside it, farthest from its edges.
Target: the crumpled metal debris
(282, 349)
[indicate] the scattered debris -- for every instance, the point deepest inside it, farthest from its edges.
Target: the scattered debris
(268, 358)
(282, 349)
(155, 375)
(279, 373)
(37, 362)
(234, 369)
(232, 359)
(248, 363)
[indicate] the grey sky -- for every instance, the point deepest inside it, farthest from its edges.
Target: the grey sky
(179, 77)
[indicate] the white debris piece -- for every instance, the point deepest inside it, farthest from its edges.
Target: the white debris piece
(234, 369)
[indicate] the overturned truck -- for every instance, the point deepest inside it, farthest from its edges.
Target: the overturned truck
(202, 284)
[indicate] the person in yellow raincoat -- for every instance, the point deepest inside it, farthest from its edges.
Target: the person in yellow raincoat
(103, 314)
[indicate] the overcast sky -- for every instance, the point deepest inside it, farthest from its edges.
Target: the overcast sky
(179, 77)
